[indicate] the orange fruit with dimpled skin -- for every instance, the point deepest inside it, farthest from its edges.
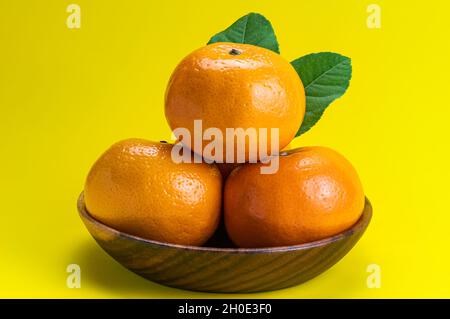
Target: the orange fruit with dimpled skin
(135, 187)
(316, 193)
(230, 85)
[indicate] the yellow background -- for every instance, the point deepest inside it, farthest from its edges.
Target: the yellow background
(67, 94)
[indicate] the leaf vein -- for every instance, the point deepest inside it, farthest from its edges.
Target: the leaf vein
(323, 74)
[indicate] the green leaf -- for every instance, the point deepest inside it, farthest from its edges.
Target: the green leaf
(326, 77)
(252, 28)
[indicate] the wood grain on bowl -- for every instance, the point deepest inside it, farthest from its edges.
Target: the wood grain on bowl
(228, 270)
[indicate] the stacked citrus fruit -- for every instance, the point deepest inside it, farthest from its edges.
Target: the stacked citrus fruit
(137, 187)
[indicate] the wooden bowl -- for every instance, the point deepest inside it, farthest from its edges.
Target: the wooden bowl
(229, 270)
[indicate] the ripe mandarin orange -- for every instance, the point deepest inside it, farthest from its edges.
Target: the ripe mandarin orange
(135, 187)
(316, 193)
(230, 85)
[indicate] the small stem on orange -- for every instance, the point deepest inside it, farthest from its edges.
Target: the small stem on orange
(234, 52)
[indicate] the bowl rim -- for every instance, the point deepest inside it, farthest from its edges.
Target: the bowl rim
(360, 225)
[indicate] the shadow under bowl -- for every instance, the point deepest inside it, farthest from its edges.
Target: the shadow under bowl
(224, 270)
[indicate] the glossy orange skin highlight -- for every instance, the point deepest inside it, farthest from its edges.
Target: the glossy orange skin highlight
(316, 193)
(135, 187)
(255, 89)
